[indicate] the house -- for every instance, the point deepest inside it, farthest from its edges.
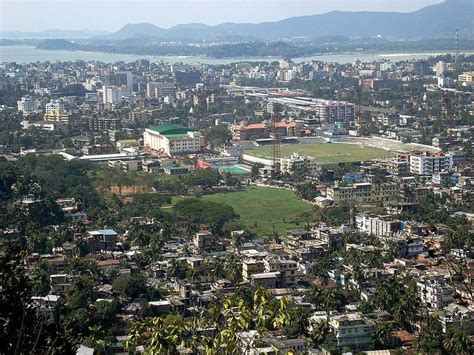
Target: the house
(103, 239)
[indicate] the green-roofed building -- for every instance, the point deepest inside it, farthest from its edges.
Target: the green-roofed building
(172, 139)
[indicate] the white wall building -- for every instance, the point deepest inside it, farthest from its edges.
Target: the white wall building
(27, 105)
(55, 106)
(172, 139)
(427, 164)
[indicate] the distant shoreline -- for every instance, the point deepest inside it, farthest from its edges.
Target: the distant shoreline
(29, 54)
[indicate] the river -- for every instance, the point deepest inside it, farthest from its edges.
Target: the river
(28, 54)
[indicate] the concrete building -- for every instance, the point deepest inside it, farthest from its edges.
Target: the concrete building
(363, 193)
(55, 106)
(287, 270)
(352, 330)
(429, 164)
(380, 226)
(27, 105)
(434, 292)
(300, 165)
(172, 139)
(466, 78)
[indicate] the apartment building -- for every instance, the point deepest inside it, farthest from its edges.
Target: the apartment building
(352, 330)
(429, 164)
(299, 165)
(363, 193)
(380, 226)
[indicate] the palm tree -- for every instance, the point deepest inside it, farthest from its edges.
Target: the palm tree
(320, 332)
(382, 337)
(456, 342)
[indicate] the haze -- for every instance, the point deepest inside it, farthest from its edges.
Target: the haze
(111, 14)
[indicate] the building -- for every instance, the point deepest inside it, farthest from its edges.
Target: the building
(286, 270)
(102, 124)
(27, 105)
(352, 330)
(434, 292)
(429, 164)
(156, 90)
(250, 267)
(363, 193)
(327, 110)
(55, 106)
(104, 239)
(299, 165)
(380, 226)
(466, 78)
(241, 132)
(123, 78)
(172, 139)
(113, 94)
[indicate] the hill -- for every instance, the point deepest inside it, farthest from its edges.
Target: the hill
(440, 20)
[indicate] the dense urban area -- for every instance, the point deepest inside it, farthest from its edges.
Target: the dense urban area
(250, 208)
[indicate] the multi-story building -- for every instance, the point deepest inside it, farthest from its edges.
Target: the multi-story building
(113, 94)
(429, 164)
(172, 139)
(380, 226)
(327, 110)
(286, 268)
(102, 124)
(299, 165)
(156, 90)
(467, 78)
(27, 105)
(397, 167)
(363, 193)
(250, 267)
(55, 106)
(351, 330)
(434, 292)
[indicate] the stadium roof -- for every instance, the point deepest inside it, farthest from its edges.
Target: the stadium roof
(171, 129)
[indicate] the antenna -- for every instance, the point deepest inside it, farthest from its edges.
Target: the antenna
(359, 102)
(456, 40)
(276, 144)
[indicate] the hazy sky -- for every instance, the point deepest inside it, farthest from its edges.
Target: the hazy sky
(36, 15)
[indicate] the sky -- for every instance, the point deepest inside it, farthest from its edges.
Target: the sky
(110, 15)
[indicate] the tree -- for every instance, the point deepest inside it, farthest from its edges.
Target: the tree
(456, 342)
(430, 338)
(382, 337)
(217, 136)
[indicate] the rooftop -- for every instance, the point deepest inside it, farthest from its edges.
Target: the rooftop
(171, 129)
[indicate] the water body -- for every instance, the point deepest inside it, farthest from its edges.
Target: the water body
(29, 54)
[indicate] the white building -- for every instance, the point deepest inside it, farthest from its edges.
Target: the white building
(27, 105)
(172, 139)
(55, 106)
(427, 164)
(300, 165)
(434, 292)
(440, 68)
(380, 226)
(113, 94)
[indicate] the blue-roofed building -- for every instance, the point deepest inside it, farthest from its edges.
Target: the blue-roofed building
(102, 239)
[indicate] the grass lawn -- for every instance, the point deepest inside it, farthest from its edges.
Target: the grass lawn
(326, 152)
(263, 210)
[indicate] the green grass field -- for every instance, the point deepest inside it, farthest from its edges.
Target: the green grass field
(326, 152)
(263, 210)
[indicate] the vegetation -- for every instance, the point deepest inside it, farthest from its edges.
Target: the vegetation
(326, 153)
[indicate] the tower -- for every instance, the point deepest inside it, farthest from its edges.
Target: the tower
(456, 41)
(276, 145)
